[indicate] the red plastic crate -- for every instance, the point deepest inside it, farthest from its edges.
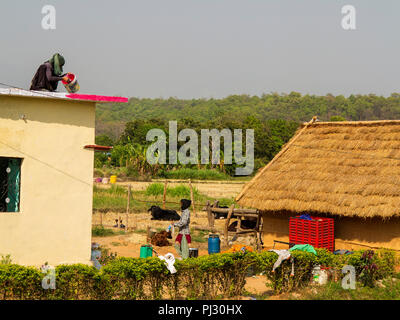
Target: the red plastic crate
(318, 232)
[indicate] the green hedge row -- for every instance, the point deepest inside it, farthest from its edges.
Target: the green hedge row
(206, 277)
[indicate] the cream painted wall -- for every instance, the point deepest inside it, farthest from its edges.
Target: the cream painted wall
(54, 222)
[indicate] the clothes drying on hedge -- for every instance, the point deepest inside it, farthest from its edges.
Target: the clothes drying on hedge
(169, 261)
(304, 247)
(282, 255)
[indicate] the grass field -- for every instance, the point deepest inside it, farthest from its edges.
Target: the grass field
(114, 198)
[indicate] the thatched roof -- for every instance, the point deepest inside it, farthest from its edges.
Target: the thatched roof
(340, 168)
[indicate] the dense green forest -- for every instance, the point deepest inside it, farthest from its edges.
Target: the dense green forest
(273, 117)
(130, 147)
(291, 107)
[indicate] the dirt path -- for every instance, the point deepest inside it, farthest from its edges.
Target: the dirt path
(128, 245)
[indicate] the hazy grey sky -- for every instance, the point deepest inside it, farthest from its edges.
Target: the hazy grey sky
(206, 48)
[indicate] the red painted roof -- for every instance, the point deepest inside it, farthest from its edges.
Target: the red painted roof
(98, 148)
(93, 97)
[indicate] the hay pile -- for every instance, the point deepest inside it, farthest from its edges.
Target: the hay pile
(341, 168)
(160, 239)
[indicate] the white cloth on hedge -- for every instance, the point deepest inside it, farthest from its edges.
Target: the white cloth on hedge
(169, 261)
(282, 255)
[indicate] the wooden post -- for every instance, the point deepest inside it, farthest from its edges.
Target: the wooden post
(148, 235)
(212, 216)
(209, 213)
(128, 208)
(165, 193)
(228, 218)
(192, 197)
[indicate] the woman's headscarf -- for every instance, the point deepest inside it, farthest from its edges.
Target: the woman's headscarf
(57, 61)
(185, 204)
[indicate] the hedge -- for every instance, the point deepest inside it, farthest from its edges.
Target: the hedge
(206, 277)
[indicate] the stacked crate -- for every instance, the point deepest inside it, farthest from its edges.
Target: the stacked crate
(318, 232)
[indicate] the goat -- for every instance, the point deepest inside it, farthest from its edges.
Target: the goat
(160, 214)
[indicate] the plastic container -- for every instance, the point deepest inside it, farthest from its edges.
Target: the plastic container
(214, 244)
(72, 85)
(193, 252)
(320, 275)
(146, 251)
(95, 255)
(318, 232)
(105, 180)
(113, 179)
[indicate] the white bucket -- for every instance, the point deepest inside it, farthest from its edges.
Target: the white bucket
(72, 85)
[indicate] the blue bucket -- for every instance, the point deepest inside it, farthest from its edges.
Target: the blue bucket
(214, 244)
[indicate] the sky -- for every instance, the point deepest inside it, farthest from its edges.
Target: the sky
(206, 48)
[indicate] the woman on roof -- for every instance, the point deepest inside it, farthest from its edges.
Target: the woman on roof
(48, 74)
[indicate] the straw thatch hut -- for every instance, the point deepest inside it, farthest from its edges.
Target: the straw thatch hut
(346, 170)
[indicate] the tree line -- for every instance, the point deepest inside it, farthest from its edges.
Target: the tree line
(131, 147)
(274, 118)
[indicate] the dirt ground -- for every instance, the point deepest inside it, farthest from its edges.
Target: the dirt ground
(128, 244)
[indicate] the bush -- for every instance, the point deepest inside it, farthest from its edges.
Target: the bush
(194, 174)
(18, 282)
(180, 191)
(100, 231)
(5, 259)
(206, 277)
(155, 189)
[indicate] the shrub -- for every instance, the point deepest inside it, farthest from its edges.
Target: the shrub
(5, 259)
(179, 191)
(205, 277)
(100, 231)
(155, 189)
(18, 282)
(106, 256)
(195, 174)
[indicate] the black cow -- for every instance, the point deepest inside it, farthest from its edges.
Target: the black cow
(246, 224)
(160, 214)
(222, 215)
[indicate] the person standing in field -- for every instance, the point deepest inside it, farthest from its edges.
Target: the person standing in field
(183, 238)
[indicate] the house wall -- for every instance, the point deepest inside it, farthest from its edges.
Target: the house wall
(54, 222)
(350, 233)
